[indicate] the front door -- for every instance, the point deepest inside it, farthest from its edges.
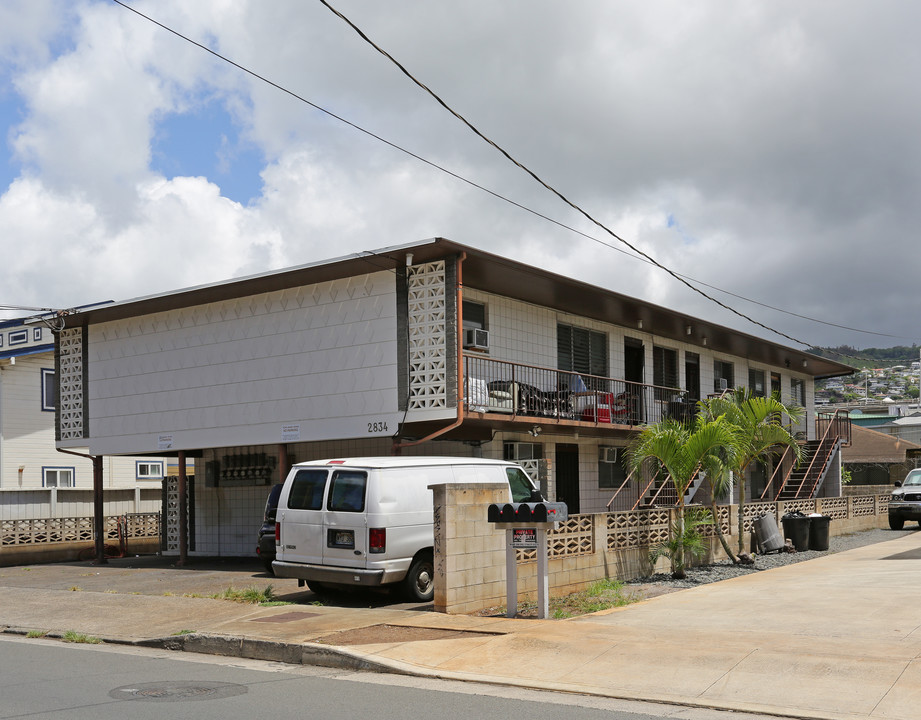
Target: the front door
(634, 362)
(567, 476)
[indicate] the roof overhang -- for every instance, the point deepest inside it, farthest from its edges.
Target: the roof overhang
(497, 275)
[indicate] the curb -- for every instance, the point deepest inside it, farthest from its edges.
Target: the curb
(294, 654)
(230, 646)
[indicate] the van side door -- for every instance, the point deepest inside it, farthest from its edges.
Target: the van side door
(345, 529)
(301, 516)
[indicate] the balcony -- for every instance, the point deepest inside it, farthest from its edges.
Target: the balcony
(513, 392)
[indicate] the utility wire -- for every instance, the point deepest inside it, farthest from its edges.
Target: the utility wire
(640, 255)
(549, 187)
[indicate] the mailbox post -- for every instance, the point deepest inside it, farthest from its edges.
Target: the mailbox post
(526, 526)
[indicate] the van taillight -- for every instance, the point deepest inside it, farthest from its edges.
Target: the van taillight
(377, 540)
(277, 532)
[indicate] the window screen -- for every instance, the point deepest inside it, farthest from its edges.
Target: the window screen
(723, 371)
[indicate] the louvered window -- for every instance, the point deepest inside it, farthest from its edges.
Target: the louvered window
(664, 367)
(582, 351)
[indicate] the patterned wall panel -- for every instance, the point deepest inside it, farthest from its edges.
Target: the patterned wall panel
(428, 338)
(70, 383)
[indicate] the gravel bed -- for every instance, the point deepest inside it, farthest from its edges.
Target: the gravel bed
(724, 570)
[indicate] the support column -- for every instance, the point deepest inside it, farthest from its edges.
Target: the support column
(99, 509)
(183, 512)
(283, 466)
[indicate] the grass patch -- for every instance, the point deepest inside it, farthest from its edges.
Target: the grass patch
(600, 595)
(36, 633)
(72, 636)
(76, 588)
(184, 632)
(252, 595)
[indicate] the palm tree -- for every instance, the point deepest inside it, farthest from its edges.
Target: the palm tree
(757, 428)
(682, 451)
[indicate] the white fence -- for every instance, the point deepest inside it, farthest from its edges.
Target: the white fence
(29, 504)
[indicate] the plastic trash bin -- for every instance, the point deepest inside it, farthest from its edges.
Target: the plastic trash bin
(796, 530)
(767, 536)
(818, 532)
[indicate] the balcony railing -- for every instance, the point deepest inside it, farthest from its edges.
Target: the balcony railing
(517, 390)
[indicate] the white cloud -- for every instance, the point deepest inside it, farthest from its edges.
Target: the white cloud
(779, 137)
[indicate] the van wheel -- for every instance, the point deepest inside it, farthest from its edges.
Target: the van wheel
(267, 564)
(419, 583)
(316, 588)
(896, 523)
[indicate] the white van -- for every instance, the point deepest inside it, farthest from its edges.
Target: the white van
(368, 521)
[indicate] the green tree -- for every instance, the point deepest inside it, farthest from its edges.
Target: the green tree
(758, 430)
(681, 451)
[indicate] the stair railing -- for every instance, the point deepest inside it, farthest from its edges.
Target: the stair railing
(642, 494)
(778, 468)
(617, 492)
(823, 449)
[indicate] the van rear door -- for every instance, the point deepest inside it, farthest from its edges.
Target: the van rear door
(345, 529)
(301, 516)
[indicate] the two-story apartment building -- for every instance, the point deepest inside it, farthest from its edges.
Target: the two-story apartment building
(431, 348)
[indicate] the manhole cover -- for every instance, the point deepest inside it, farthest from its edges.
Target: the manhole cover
(177, 691)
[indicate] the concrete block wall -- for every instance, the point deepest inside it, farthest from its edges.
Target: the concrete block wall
(470, 552)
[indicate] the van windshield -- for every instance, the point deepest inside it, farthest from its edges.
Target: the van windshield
(307, 490)
(519, 483)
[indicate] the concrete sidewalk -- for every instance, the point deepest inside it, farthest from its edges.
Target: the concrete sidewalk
(836, 637)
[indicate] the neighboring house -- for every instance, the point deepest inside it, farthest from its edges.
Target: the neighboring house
(904, 428)
(431, 348)
(29, 461)
(877, 458)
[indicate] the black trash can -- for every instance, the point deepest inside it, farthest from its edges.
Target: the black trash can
(796, 530)
(818, 532)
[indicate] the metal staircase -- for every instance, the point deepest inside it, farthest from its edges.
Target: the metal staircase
(661, 492)
(804, 480)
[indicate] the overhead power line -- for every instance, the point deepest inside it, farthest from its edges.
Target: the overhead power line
(639, 254)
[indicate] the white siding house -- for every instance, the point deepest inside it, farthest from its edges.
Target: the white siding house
(30, 464)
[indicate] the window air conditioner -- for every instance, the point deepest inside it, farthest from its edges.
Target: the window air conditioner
(476, 338)
(609, 454)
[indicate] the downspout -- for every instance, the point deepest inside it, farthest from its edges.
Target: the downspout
(397, 447)
(99, 525)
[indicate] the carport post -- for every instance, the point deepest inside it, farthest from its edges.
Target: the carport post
(183, 512)
(99, 509)
(283, 466)
(99, 506)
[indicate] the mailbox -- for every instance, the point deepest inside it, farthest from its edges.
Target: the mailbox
(530, 512)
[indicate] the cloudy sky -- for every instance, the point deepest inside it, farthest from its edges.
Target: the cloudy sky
(769, 151)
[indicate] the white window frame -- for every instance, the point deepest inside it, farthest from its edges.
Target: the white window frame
(57, 473)
(153, 469)
(48, 405)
